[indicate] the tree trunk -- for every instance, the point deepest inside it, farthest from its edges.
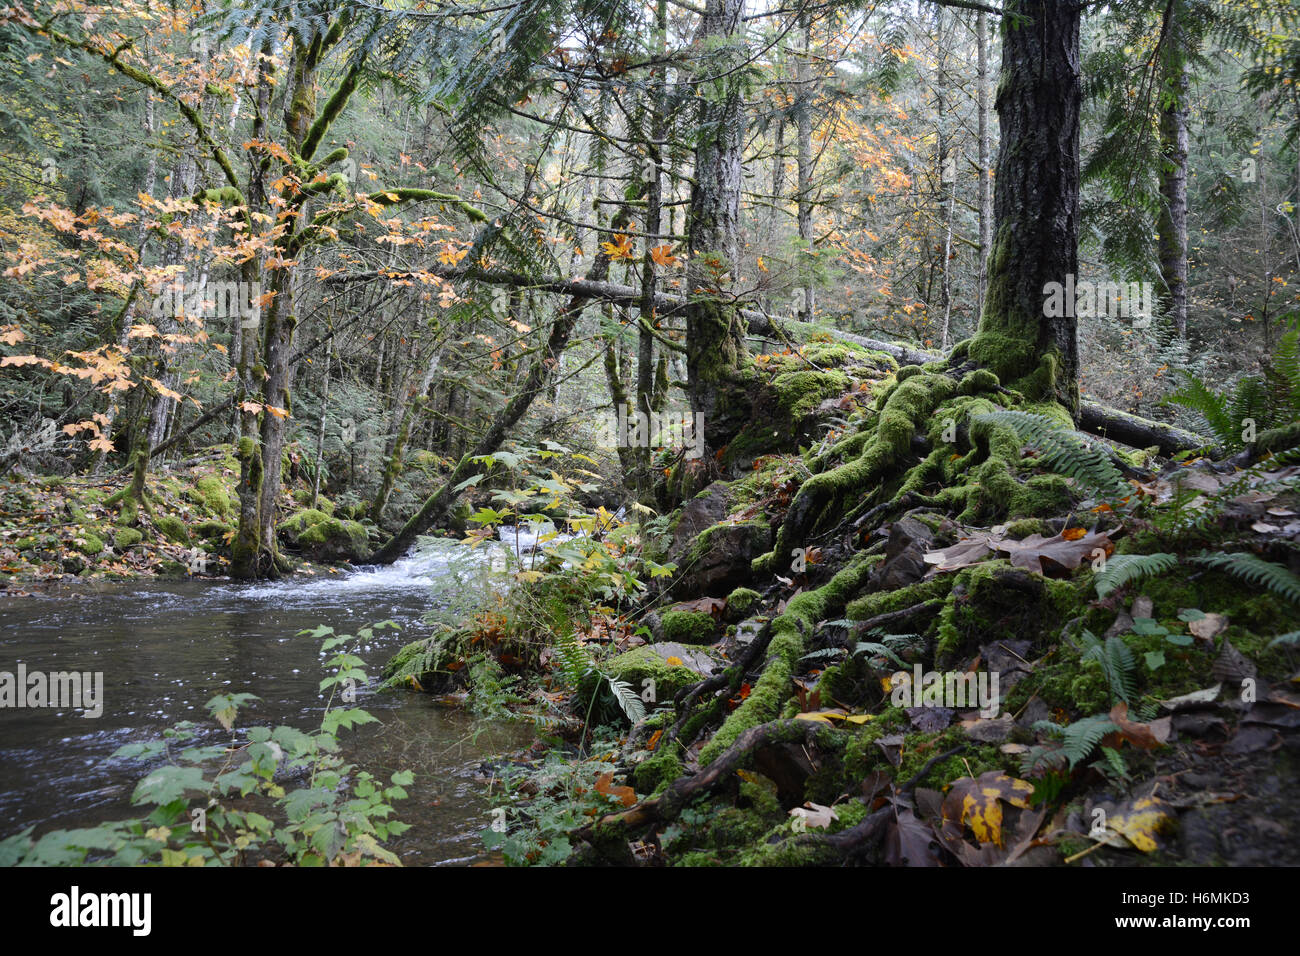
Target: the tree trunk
(1035, 205)
(714, 336)
(1172, 227)
(985, 192)
(803, 113)
(393, 468)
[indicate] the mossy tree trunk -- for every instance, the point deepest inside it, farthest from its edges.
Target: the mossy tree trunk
(713, 325)
(1035, 205)
(266, 359)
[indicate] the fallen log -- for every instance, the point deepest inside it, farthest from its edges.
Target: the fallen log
(1123, 427)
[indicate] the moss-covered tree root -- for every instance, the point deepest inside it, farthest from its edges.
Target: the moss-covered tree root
(612, 829)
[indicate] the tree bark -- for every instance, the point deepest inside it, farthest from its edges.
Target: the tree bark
(985, 192)
(1172, 227)
(714, 337)
(1035, 205)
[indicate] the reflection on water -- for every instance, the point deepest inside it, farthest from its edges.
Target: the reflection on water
(165, 648)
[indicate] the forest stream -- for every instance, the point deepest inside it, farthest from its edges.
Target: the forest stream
(167, 647)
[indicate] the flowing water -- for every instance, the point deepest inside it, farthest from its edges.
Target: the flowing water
(166, 648)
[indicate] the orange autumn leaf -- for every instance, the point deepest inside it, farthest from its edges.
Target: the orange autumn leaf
(1074, 534)
(654, 740)
(663, 256)
(625, 795)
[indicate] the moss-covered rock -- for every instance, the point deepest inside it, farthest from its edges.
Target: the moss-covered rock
(330, 539)
(319, 537)
(212, 530)
(172, 528)
(210, 492)
(671, 667)
(124, 538)
(689, 627)
(721, 558)
(740, 602)
(89, 543)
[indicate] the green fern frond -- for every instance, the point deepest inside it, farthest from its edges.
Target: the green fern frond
(628, 699)
(1212, 407)
(575, 663)
(1123, 568)
(1255, 570)
(1290, 639)
(1080, 738)
(880, 650)
(1117, 664)
(1062, 450)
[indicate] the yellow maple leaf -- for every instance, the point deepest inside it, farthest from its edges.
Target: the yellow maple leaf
(620, 248)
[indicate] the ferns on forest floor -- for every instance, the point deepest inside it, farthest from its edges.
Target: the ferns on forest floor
(1065, 452)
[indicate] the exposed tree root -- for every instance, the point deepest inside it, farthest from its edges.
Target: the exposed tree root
(747, 747)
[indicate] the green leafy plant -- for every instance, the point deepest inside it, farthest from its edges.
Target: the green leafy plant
(1269, 399)
(1062, 450)
(1254, 570)
(1122, 569)
(1116, 661)
(203, 794)
(1070, 744)
(543, 805)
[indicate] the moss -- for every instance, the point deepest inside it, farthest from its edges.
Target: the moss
(1040, 496)
(350, 534)
(300, 521)
(643, 664)
(1025, 527)
(783, 653)
(740, 602)
(1278, 439)
(974, 759)
(210, 492)
(656, 772)
(993, 600)
(172, 528)
(689, 627)
(212, 529)
(128, 511)
(89, 544)
(882, 602)
(799, 393)
(124, 538)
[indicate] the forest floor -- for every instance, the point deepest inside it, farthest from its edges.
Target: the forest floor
(60, 528)
(1140, 615)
